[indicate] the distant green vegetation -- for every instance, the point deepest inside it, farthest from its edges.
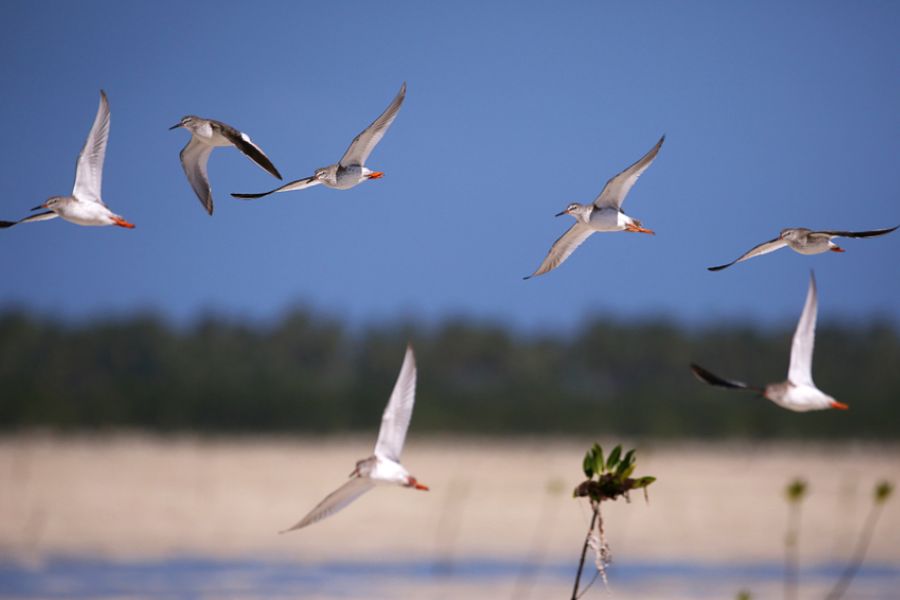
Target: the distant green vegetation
(309, 373)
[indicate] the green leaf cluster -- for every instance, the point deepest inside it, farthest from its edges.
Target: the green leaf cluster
(796, 490)
(610, 478)
(883, 491)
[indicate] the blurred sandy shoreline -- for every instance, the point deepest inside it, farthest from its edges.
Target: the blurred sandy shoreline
(139, 496)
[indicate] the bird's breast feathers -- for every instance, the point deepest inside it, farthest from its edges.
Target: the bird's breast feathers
(608, 219)
(389, 471)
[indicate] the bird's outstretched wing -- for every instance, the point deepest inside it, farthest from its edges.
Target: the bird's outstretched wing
(89, 167)
(712, 379)
(617, 188)
(397, 413)
(335, 501)
(293, 185)
(194, 157)
(363, 144)
(860, 234)
(44, 216)
(563, 247)
(243, 143)
(764, 248)
(800, 371)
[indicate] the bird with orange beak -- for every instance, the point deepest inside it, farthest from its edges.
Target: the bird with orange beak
(383, 467)
(85, 205)
(798, 393)
(604, 214)
(350, 171)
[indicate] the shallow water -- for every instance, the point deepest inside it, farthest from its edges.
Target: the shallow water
(199, 577)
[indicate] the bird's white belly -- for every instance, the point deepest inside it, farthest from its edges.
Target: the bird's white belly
(346, 178)
(210, 136)
(85, 213)
(799, 398)
(388, 471)
(607, 219)
(817, 247)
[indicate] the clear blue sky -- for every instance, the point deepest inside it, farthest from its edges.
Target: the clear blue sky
(776, 114)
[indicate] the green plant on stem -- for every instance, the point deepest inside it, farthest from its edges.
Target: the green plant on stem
(880, 495)
(794, 493)
(606, 480)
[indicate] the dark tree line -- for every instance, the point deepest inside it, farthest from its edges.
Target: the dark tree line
(308, 373)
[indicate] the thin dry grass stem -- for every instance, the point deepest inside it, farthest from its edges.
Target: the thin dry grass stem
(883, 491)
(795, 492)
(791, 560)
(602, 553)
(539, 542)
(449, 524)
(590, 583)
(584, 550)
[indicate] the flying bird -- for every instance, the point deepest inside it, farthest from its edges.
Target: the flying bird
(804, 241)
(604, 214)
(383, 467)
(798, 393)
(84, 206)
(207, 134)
(350, 171)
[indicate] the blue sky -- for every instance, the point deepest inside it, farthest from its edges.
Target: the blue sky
(776, 114)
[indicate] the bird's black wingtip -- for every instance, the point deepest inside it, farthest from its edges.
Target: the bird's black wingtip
(712, 379)
(705, 376)
(5, 224)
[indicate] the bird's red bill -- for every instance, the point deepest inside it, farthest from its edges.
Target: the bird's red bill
(638, 229)
(839, 405)
(838, 249)
(122, 223)
(376, 175)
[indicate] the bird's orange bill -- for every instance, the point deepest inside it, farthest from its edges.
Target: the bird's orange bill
(122, 223)
(375, 175)
(413, 483)
(838, 249)
(638, 229)
(839, 405)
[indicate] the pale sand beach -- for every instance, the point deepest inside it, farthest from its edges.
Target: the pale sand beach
(136, 497)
